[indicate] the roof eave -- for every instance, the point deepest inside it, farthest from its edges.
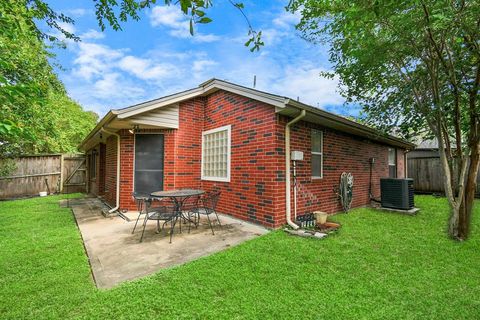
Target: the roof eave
(355, 127)
(103, 122)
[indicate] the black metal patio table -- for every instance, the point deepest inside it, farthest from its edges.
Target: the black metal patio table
(178, 196)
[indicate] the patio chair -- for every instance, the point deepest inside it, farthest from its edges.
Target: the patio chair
(141, 201)
(207, 206)
(162, 212)
(188, 206)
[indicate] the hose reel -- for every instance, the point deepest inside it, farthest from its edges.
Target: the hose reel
(345, 190)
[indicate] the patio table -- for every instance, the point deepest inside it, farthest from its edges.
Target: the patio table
(178, 196)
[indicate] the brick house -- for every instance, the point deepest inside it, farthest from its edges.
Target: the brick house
(237, 139)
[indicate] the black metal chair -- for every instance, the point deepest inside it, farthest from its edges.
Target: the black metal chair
(207, 206)
(188, 206)
(141, 201)
(160, 212)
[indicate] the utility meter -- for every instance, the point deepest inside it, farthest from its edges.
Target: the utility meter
(296, 155)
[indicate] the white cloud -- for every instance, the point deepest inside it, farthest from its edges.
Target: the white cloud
(92, 35)
(103, 77)
(178, 24)
(146, 69)
(67, 27)
(286, 20)
(204, 38)
(76, 13)
(272, 37)
(306, 83)
(201, 65)
(94, 59)
(111, 86)
(169, 16)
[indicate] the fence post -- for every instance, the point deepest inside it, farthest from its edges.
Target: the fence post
(61, 172)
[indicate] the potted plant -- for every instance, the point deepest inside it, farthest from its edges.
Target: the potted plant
(321, 217)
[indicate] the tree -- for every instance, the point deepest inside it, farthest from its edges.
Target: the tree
(34, 105)
(414, 65)
(36, 114)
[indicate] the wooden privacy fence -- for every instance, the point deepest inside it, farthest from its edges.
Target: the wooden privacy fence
(427, 175)
(56, 173)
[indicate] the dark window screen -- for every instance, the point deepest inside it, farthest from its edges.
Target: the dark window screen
(392, 171)
(148, 163)
(392, 163)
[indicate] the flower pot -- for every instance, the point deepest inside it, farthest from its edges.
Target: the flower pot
(321, 217)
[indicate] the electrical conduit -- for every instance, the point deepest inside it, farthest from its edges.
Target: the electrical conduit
(287, 169)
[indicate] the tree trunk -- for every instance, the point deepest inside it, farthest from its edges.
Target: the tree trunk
(460, 221)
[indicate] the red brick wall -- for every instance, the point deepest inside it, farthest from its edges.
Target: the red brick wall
(341, 153)
(256, 191)
(93, 186)
(188, 144)
(400, 163)
(101, 169)
(256, 168)
(97, 184)
(127, 166)
(110, 170)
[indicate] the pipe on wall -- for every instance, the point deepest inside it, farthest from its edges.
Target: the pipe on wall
(287, 169)
(117, 195)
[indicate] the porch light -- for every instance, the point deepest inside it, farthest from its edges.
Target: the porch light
(135, 128)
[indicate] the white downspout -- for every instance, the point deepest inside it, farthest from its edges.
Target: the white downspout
(117, 202)
(287, 169)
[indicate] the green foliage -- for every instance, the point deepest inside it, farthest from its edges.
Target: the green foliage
(379, 266)
(413, 65)
(7, 166)
(408, 63)
(36, 115)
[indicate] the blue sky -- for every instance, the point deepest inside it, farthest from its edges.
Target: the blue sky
(157, 56)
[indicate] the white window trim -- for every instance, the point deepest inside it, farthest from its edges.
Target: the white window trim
(318, 153)
(229, 153)
(394, 157)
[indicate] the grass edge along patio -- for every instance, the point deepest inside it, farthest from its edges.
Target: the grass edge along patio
(378, 266)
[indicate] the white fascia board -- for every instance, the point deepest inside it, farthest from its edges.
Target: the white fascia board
(155, 124)
(276, 101)
(158, 103)
(103, 122)
(279, 102)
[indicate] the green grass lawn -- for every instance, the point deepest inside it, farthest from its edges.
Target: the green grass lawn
(378, 266)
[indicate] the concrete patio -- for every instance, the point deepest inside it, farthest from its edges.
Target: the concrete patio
(116, 255)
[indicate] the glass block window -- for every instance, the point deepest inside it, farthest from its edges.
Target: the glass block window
(317, 154)
(392, 162)
(216, 154)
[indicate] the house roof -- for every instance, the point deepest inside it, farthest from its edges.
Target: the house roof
(127, 117)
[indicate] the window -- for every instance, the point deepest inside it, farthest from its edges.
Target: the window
(93, 164)
(392, 162)
(317, 154)
(216, 154)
